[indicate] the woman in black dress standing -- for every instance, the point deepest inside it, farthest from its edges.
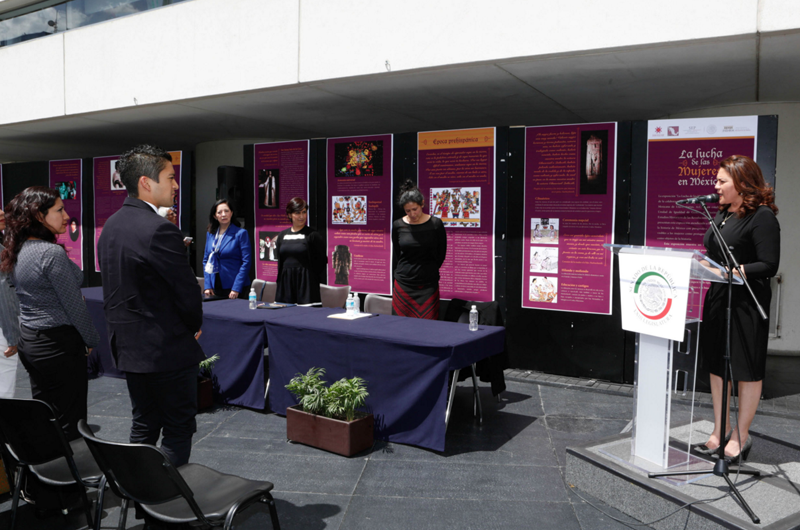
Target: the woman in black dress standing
(301, 258)
(747, 221)
(419, 244)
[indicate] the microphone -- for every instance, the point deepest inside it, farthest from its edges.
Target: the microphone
(703, 198)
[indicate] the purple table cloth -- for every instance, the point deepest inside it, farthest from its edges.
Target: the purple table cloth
(405, 362)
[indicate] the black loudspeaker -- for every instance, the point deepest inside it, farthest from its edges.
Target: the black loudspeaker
(230, 185)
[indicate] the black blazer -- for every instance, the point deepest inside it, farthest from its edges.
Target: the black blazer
(151, 299)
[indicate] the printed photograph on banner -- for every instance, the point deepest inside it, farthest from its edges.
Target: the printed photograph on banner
(457, 207)
(543, 289)
(359, 159)
(268, 180)
(74, 229)
(544, 259)
(544, 230)
(67, 190)
(342, 261)
(267, 245)
(116, 181)
(594, 162)
(349, 210)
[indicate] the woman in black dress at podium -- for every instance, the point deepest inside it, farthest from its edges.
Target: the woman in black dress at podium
(747, 221)
(301, 258)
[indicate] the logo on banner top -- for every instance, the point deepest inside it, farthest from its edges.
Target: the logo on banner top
(673, 130)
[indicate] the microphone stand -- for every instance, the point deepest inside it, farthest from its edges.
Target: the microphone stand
(722, 468)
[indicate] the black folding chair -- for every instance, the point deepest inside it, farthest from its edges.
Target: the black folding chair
(143, 474)
(36, 441)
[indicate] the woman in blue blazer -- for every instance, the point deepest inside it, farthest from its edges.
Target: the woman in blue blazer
(226, 260)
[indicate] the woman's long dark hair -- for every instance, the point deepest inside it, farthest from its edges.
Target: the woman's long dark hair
(213, 224)
(750, 183)
(22, 222)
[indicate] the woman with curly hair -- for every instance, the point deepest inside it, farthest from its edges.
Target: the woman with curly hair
(56, 331)
(746, 219)
(419, 243)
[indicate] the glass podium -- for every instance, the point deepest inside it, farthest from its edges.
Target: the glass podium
(666, 355)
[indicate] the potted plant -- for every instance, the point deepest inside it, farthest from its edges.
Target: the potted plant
(205, 387)
(326, 417)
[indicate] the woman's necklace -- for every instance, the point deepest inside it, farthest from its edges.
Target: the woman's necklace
(725, 219)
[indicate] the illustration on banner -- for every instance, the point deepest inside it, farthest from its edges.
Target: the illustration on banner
(268, 188)
(116, 181)
(594, 150)
(67, 190)
(359, 159)
(543, 289)
(74, 229)
(349, 210)
(267, 245)
(459, 207)
(544, 230)
(544, 259)
(342, 261)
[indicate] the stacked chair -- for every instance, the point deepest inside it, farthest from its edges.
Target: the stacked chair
(34, 438)
(192, 493)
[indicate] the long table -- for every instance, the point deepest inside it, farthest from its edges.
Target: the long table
(405, 361)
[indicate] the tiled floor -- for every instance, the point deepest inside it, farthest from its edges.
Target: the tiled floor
(506, 473)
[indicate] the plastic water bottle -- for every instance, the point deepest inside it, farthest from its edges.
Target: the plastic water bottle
(349, 305)
(252, 298)
(473, 319)
(356, 304)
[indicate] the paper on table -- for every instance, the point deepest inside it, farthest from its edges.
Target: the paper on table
(345, 316)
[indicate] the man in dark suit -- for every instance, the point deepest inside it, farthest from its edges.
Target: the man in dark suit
(153, 305)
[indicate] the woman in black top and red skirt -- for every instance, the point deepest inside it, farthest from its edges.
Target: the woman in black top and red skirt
(419, 244)
(747, 221)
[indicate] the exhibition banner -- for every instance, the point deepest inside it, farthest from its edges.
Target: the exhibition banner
(359, 176)
(280, 174)
(456, 175)
(570, 183)
(683, 157)
(110, 193)
(2, 198)
(65, 178)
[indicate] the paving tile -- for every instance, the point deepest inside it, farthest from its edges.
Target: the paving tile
(480, 448)
(305, 511)
(478, 482)
(370, 512)
(317, 473)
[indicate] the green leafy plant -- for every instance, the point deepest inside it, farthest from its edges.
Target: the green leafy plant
(310, 389)
(207, 365)
(344, 397)
(340, 400)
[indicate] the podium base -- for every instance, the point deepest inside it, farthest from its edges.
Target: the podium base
(606, 470)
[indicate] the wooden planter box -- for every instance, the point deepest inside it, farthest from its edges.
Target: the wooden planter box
(205, 393)
(337, 436)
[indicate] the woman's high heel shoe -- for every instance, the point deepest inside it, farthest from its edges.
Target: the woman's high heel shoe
(703, 449)
(743, 453)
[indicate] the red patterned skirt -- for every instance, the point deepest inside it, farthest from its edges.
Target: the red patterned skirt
(415, 301)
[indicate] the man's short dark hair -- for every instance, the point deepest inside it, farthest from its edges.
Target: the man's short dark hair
(143, 160)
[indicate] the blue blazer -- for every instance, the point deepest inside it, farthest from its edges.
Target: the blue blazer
(234, 259)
